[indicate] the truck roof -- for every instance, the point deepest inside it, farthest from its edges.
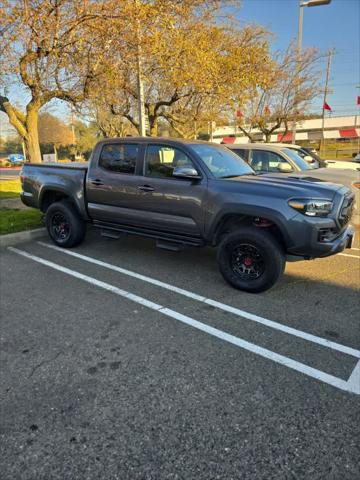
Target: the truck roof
(153, 140)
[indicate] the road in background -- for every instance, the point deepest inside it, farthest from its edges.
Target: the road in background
(6, 173)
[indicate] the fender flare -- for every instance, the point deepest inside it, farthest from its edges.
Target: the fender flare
(248, 211)
(55, 188)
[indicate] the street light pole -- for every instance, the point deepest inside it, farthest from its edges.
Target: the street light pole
(302, 4)
(299, 42)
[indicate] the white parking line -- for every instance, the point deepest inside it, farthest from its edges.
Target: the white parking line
(349, 255)
(346, 385)
(222, 306)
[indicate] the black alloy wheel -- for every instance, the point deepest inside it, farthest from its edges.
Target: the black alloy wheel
(60, 227)
(247, 262)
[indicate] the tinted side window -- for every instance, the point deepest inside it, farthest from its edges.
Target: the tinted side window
(241, 152)
(266, 161)
(259, 161)
(161, 160)
(119, 158)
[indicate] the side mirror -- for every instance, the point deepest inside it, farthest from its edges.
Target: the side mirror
(309, 159)
(285, 167)
(186, 172)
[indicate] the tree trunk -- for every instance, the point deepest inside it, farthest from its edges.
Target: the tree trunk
(267, 137)
(154, 129)
(25, 125)
(32, 138)
(153, 125)
(248, 134)
(153, 120)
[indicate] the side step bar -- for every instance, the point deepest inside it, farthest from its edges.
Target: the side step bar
(111, 234)
(171, 246)
(169, 241)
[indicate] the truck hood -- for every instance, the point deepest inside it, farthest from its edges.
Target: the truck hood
(287, 186)
(339, 176)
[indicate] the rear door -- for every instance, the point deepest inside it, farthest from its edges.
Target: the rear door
(112, 184)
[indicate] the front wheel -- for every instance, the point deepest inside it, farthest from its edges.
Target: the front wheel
(64, 224)
(251, 259)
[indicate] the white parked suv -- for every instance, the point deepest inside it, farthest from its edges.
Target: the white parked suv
(275, 159)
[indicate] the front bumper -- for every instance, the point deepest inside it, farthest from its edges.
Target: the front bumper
(345, 240)
(313, 248)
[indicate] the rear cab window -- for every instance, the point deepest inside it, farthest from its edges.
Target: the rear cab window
(119, 158)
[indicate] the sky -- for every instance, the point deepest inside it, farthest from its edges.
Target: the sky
(336, 25)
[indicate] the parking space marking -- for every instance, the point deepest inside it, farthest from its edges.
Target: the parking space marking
(347, 385)
(221, 306)
(349, 255)
(354, 379)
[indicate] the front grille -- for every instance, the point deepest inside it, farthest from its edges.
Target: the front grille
(346, 210)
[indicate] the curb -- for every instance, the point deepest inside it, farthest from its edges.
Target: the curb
(20, 237)
(10, 168)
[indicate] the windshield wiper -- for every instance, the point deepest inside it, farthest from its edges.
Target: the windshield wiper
(239, 175)
(230, 176)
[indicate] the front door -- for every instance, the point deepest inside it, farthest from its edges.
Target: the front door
(171, 204)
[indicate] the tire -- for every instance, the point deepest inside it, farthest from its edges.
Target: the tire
(64, 225)
(251, 259)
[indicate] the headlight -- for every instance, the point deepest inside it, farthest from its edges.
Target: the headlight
(312, 207)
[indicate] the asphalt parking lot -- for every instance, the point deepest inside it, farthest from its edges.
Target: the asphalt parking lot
(122, 361)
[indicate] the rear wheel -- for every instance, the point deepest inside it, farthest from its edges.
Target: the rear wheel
(64, 224)
(251, 259)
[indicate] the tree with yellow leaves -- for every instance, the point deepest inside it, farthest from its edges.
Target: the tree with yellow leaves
(192, 65)
(53, 48)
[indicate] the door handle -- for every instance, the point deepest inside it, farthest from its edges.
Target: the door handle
(97, 182)
(146, 188)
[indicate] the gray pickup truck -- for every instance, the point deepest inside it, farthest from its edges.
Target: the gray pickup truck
(193, 193)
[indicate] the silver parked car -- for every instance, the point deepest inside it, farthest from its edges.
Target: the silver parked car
(274, 159)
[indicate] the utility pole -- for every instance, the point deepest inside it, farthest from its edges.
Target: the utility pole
(141, 104)
(326, 90)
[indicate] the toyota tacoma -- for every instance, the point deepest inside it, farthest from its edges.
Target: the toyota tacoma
(191, 193)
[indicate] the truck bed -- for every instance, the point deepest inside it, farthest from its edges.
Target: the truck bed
(72, 165)
(44, 182)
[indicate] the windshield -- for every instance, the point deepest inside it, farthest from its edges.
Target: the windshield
(300, 162)
(221, 162)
